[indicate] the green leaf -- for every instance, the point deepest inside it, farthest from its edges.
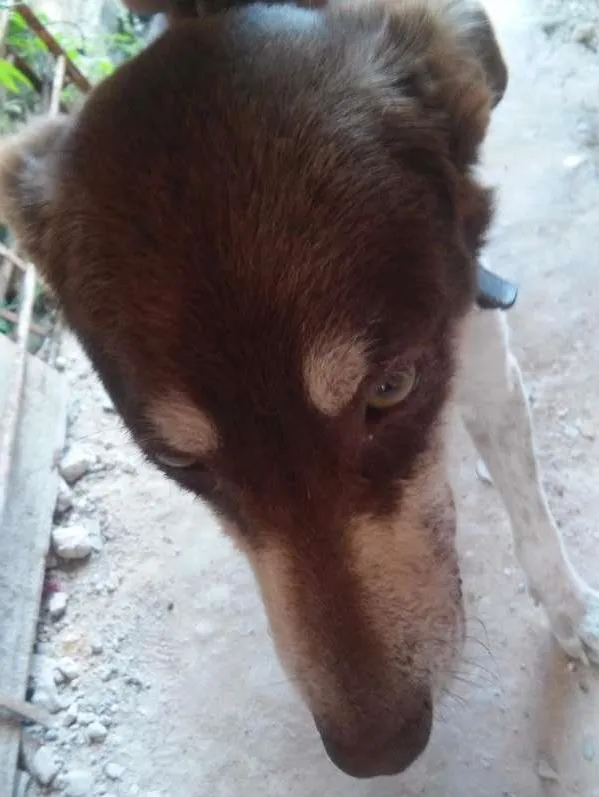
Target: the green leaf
(17, 22)
(12, 78)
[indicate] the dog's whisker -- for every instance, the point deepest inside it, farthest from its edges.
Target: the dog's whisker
(476, 619)
(448, 694)
(91, 435)
(463, 679)
(479, 666)
(483, 645)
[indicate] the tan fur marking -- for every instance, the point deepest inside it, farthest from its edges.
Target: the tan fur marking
(333, 371)
(182, 425)
(407, 593)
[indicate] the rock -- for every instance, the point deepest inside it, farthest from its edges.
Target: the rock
(69, 668)
(44, 767)
(109, 674)
(72, 542)
(97, 648)
(50, 699)
(571, 432)
(587, 430)
(585, 34)
(45, 693)
(107, 405)
(114, 771)
(483, 473)
(97, 732)
(572, 162)
(588, 748)
(546, 771)
(550, 25)
(64, 498)
(71, 716)
(78, 783)
(57, 604)
(74, 465)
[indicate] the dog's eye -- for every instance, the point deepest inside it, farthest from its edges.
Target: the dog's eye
(173, 459)
(393, 390)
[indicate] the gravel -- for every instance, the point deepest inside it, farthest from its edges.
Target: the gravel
(97, 732)
(114, 771)
(75, 464)
(64, 498)
(72, 542)
(57, 605)
(44, 766)
(78, 783)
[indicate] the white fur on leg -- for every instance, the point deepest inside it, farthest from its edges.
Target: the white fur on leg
(497, 415)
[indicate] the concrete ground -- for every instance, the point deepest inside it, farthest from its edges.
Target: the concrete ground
(183, 676)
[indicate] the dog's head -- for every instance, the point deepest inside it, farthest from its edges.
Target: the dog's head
(263, 230)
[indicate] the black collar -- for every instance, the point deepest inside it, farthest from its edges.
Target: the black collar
(493, 292)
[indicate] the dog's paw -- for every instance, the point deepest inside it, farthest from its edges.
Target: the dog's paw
(575, 622)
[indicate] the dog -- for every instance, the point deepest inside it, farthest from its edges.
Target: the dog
(265, 230)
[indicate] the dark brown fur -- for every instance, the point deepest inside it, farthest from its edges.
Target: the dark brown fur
(250, 185)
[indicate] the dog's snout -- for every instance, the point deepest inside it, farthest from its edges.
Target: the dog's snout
(382, 749)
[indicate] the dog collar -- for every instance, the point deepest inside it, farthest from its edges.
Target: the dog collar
(494, 292)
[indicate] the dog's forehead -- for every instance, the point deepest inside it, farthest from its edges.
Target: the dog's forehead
(253, 238)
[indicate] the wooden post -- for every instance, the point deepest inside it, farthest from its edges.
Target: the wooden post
(32, 432)
(5, 267)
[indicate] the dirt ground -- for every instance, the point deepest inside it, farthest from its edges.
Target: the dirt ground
(170, 686)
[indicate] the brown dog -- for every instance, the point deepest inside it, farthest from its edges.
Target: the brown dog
(264, 230)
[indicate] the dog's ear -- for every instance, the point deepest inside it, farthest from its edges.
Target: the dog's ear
(475, 33)
(28, 166)
(445, 53)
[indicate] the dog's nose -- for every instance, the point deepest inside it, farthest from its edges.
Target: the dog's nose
(380, 751)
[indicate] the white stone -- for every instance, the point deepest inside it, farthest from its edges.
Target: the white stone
(44, 767)
(57, 604)
(45, 692)
(588, 748)
(574, 161)
(64, 497)
(587, 430)
(78, 783)
(585, 34)
(74, 465)
(97, 732)
(114, 771)
(50, 699)
(72, 542)
(71, 716)
(546, 771)
(483, 473)
(69, 668)
(107, 404)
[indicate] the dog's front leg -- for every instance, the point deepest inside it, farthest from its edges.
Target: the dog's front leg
(497, 415)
